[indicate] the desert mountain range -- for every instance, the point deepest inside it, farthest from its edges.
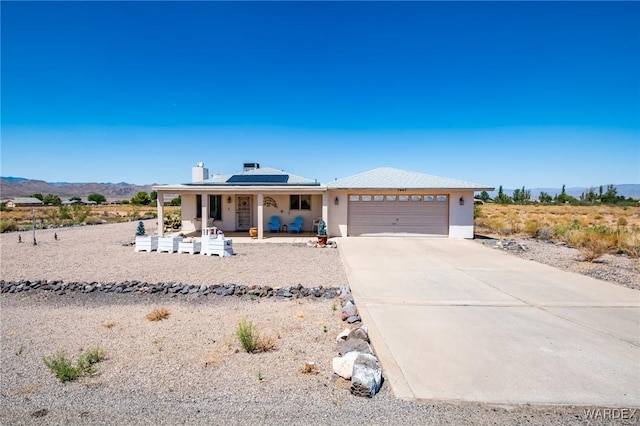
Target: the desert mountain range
(21, 187)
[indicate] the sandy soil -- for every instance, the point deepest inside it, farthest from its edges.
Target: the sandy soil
(189, 368)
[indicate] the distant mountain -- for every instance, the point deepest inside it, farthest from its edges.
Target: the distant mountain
(14, 179)
(20, 187)
(629, 190)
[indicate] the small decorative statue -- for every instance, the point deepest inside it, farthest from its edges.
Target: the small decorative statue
(322, 233)
(140, 230)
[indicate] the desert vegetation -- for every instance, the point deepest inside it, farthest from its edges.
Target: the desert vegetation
(61, 365)
(593, 230)
(22, 217)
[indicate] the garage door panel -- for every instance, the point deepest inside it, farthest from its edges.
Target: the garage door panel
(400, 217)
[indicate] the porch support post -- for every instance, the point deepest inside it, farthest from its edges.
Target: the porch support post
(325, 208)
(160, 203)
(260, 216)
(205, 211)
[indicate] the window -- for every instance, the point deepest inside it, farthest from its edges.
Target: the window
(403, 198)
(428, 198)
(366, 198)
(300, 202)
(378, 198)
(391, 198)
(215, 207)
(416, 198)
(354, 198)
(441, 198)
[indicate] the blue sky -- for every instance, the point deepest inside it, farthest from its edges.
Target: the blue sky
(502, 93)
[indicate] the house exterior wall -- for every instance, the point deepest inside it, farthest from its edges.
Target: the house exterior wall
(337, 220)
(188, 209)
(461, 217)
(287, 215)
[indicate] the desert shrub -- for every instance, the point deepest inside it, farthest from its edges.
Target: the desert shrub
(7, 225)
(630, 244)
(248, 335)
(80, 213)
(60, 364)
(64, 213)
(531, 227)
(158, 314)
(544, 233)
(592, 242)
(477, 212)
(92, 220)
(622, 221)
(267, 343)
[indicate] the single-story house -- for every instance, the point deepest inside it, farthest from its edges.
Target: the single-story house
(24, 202)
(380, 201)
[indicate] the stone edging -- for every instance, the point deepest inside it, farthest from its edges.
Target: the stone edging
(172, 289)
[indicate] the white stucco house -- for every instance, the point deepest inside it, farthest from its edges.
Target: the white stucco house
(378, 202)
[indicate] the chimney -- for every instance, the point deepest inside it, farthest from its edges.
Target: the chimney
(199, 173)
(250, 166)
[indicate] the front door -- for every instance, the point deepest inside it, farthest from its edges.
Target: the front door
(243, 213)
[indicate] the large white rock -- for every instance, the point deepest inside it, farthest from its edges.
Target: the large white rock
(343, 365)
(366, 377)
(343, 335)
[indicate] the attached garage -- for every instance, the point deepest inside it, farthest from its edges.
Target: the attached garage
(392, 201)
(394, 213)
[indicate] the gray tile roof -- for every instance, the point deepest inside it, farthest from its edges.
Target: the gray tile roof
(387, 177)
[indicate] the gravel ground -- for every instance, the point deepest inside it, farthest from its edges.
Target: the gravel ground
(617, 269)
(188, 368)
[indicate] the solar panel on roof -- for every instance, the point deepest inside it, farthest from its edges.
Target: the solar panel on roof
(258, 179)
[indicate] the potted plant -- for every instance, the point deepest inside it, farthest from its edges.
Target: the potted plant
(322, 233)
(145, 242)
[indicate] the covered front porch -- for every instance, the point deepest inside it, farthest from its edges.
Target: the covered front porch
(238, 210)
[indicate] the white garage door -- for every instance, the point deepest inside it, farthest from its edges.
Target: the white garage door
(392, 213)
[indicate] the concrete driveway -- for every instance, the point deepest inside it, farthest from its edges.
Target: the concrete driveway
(454, 320)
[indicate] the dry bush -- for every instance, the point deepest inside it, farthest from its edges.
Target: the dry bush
(309, 367)
(158, 314)
(532, 227)
(630, 244)
(266, 343)
(109, 324)
(591, 244)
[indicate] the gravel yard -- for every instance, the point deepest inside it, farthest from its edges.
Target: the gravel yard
(188, 368)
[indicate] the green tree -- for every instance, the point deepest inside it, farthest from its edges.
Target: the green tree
(98, 198)
(38, 195)
(76, 198)
(141, 198)
(51, 199)
(545, 198)
(502, 198)
(611, 196)
(521, 196)
(153, 195)
(484, 196)
(176, 201)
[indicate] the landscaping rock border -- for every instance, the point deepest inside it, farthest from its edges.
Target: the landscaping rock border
(173, 289)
